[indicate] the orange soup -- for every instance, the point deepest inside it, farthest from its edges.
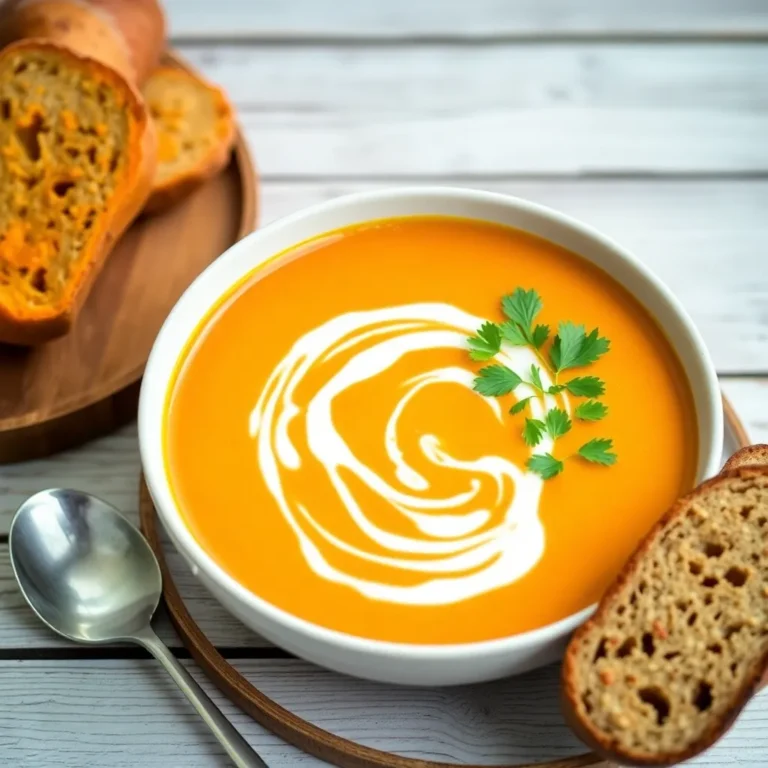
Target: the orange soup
(326, 444)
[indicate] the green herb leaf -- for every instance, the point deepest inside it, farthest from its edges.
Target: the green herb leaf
(573, 348)
(592, 410)
(586, 386)
(522, 307)
(598, 451)
(545, 465)
(566, 346)
(536, 378)
(555, 389)
(519, 406)
(512, 334)
(486, 343)
(557, 423)
(540, 335)
(533, 432)
(496, 380)
(593, 347)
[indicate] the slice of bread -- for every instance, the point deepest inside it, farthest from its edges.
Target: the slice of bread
(751, 456)
(679, 643)
(77, 156)
(195, 128)
(127, 35)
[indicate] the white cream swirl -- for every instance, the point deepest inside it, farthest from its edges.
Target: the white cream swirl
(457, 548)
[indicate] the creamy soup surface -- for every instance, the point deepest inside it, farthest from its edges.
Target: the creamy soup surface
(326, 448)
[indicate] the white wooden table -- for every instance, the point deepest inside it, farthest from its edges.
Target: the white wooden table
(647, 119)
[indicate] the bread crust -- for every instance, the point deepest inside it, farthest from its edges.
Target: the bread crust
(582, 727)
(750, 456)
(127, 35)
(127, 201)
(165, 194)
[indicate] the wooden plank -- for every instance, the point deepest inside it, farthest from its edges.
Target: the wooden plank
(77, 714)
(20, 630)
(397, 19)
(497, 110)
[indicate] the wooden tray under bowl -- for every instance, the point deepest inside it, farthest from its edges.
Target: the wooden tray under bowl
(87, 383)
(284, 723)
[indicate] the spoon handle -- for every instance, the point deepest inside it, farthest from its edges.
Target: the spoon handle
(241, 752)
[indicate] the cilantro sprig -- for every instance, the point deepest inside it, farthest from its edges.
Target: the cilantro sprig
(572, 347)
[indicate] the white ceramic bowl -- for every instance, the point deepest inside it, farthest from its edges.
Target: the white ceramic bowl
(395, 662)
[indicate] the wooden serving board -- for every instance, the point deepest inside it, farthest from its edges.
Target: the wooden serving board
(87, 383)
(289, 726)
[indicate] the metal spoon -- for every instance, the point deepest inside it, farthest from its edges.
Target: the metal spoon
(90, 576)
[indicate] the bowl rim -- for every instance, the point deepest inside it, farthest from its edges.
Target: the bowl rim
(159, 485)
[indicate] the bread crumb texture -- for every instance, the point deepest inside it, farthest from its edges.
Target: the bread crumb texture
(63, 152)
(669, 659)
(192, 120)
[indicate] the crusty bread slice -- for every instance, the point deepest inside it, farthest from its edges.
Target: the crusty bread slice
(127, 35)
(751, 456)
(679, 643)
(77, 156)
(195, 128)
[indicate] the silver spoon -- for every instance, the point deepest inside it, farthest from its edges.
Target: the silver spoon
(90, 576)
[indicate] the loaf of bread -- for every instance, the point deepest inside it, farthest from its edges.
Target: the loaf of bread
(127, 35)
(195, 128)
(679, 643)
(77, 157)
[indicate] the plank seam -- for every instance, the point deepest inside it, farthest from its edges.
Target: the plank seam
(592, 37)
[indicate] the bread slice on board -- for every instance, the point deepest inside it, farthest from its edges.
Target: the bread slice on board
(195, 128)
(77, 157)
(751, 456)
(127, 35)
(679, 643)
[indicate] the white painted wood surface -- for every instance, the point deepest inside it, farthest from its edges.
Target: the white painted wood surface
(496, 109)
(648, 120)
(483, 19)
(126, 713)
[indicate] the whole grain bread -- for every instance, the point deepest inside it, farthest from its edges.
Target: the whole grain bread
(127, 35)
(196, 130)
(679, 643)
(751, 456)
(77, 157)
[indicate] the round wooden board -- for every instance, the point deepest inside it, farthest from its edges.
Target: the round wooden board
(288, 726)
(87, 383)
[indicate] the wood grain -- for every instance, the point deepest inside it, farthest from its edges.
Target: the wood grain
(496, 110)
(480, 19)
(127, 713)
(86, 384)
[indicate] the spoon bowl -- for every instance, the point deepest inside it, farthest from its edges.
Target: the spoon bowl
(83, 568)
(92, 577)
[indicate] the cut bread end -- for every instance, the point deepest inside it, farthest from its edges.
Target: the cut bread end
(196, 131)
(679, 643)
(751, 456)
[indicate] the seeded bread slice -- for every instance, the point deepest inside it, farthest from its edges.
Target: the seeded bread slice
(679, 643)
(751, 456)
